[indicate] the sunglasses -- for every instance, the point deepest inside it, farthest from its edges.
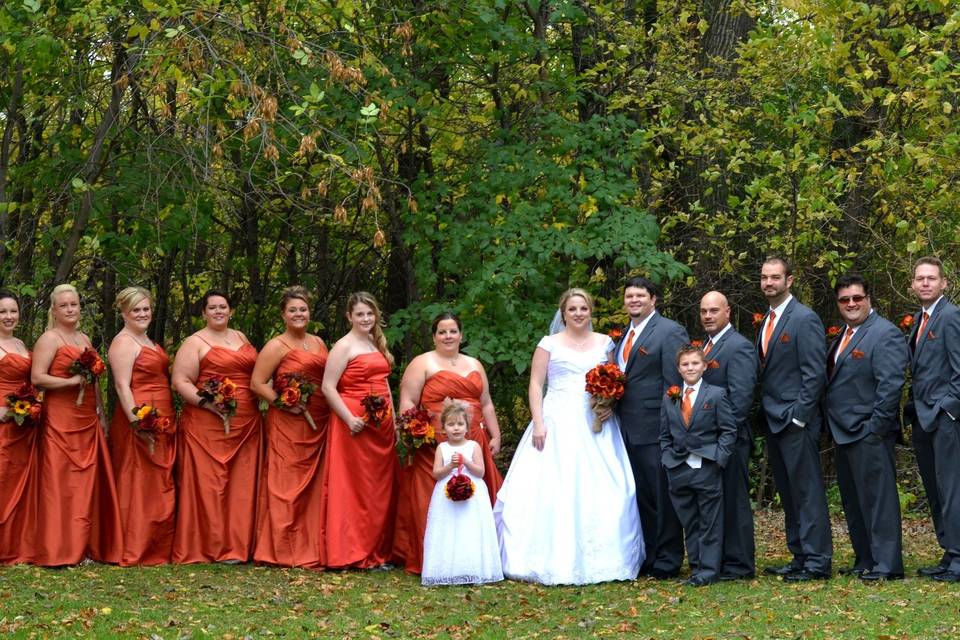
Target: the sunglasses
(854, 299)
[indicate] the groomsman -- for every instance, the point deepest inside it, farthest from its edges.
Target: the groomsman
(792, 357)
(647, 355)
(732, 366)
(935, 408)
(865, 376)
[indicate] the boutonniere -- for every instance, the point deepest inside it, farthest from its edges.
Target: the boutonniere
(931, 335)
(713, 364)
(906, 323)
(642, 351)
(696, 343)
(856, 354)
(616, 332)
(757, 320)
(832, 332)
(785, 337)
(707, 406)
(673, 392)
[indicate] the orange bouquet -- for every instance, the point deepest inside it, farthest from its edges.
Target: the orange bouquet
(376, 410)
(90, 366)
(221, 392)
(605, 386)
(23, 405)
(150, 423)
(415, 431)
(294, 390)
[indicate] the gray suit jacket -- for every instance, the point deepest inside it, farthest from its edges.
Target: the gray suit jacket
(936, 366)
(793, 374)
(863, 392)
(651, 368)
(712, 432)
(732, 366)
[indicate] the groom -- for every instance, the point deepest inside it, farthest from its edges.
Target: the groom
(647, 354)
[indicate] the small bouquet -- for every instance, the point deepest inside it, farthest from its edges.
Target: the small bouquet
(605, 386)
(221, 392)
(459, 487)
(294, 389)
(416, 430)
(23, 405)
(376, 410)
(674, 392)
(150, 423)
(90, 366)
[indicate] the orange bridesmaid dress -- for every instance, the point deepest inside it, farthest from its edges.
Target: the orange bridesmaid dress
(78, 514)
(289, 532)
(217, 471)
(361, 474)
(18, 470)
(417, 482)
(145, 486)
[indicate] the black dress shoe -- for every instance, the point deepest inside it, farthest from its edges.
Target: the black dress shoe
(929, 572)
(699, 581)
(783, 570)
(947, 576)
(852, 571)
(731, 577)
(879, 576)
(660, 574)
(805, 576)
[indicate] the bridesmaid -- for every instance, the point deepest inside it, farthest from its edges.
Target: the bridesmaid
(361, 472)
(78, 511)
(217, 471)
(18, 445)
(429, 379)
(289, 513)
(143, 468)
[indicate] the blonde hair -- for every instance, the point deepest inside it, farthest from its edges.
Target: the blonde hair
(129, 297)
(573, 293)
(453, 408)
(380, 340)
(57, 290)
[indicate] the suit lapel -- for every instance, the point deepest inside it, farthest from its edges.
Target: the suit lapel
(854, 341)
(778, 329)
(642, 337)
(930, 325)
(698, 405)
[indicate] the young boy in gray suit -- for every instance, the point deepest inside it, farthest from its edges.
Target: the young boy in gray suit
(697, 434)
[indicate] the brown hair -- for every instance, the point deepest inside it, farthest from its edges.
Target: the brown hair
(454, 407)
(380, 340)
(687, 349)
(295, 292)
(931, 260)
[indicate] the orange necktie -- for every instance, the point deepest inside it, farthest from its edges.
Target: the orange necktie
(627, 347)
(686, 407)
(768, 331)
(706, 349)
(923, 327)
(846, 340)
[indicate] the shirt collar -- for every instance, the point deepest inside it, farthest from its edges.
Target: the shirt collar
(930, 309)
(779, 309)
(716, 338)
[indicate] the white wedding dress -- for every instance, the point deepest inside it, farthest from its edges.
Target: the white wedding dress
(568, 514)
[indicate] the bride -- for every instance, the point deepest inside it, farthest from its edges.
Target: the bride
(567, 511)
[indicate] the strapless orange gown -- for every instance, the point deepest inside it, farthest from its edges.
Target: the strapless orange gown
(78, 513)
(145, 485)
(417, 482)
(19, 465)
(361, 474)
(289, 532)
(217, 471)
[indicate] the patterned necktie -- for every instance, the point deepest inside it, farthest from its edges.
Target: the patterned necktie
(846, 340)
(923, 327)
(768, 331)
(628, 345)
(686, 407)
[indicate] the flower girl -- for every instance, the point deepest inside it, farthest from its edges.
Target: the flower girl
(460, 545)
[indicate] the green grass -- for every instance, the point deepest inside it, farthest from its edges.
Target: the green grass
(220, 601)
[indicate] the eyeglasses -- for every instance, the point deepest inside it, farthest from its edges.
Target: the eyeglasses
(854, 299)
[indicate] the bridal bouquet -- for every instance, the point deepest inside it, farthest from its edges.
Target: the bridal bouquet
(459, 487)
(23, 405)
(294, 389)
(415, 431)
(90, 366)
(221, 392)
(376, 410)
(605, 386)
(150, 423)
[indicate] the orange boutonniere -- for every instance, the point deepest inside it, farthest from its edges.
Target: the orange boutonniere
(616, 332)
(785, 338)
(906, 322)
(713, 364)
(757, 319)
(856, 354)
(643, 351)
(673, 392)
(696, 343)
(833, 331)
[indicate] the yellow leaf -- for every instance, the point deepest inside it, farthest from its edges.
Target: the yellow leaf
(947, 107)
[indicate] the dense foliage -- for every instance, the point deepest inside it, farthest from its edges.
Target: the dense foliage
(480, 155)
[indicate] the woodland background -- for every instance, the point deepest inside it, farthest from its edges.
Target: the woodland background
(477, 156)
